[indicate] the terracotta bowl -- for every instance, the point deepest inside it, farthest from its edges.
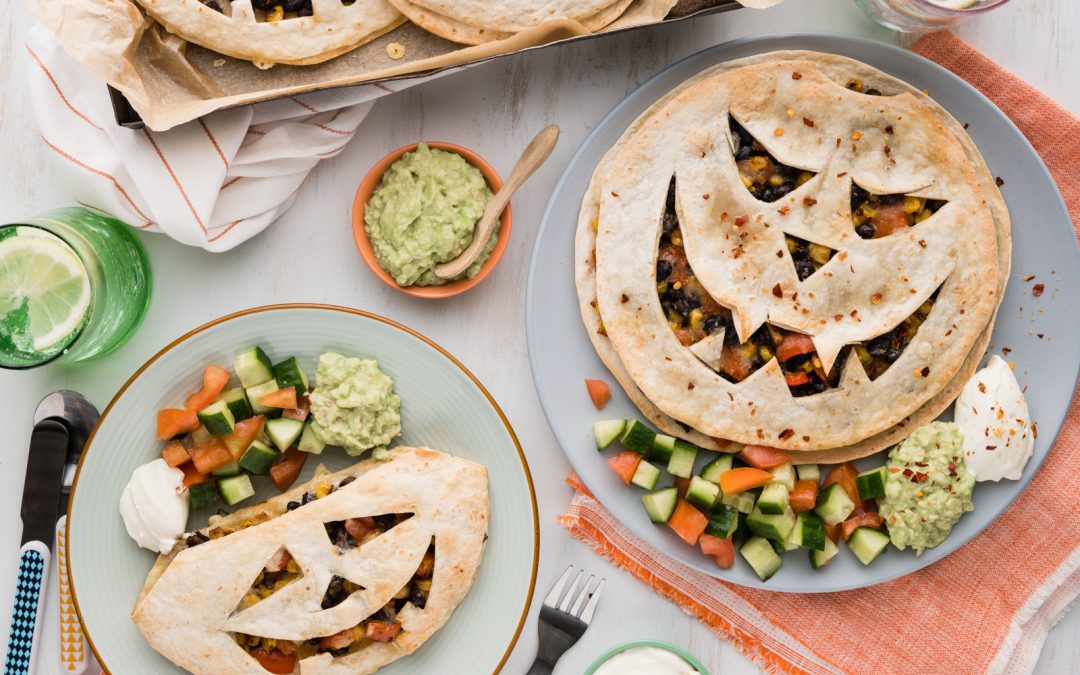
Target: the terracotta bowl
(371, 181)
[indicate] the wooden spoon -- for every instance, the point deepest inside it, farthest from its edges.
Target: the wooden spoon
(536, 153)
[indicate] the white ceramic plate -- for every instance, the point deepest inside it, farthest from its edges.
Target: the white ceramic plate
(443, 407)
(1040, 332)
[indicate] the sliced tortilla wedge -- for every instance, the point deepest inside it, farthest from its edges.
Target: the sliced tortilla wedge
(191, 611)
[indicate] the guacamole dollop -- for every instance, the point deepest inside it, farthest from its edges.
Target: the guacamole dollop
(424, 212)
(354, 404)
(927, 487)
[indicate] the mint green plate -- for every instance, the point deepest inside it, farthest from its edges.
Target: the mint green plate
(674, 649)
(443, 407)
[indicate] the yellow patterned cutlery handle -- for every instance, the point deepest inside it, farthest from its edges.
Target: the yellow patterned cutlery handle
(73, 647)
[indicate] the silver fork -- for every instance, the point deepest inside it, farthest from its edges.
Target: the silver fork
(561, 624)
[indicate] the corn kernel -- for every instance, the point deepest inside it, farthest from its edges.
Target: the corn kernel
(745, 180)
(697, 317)
(803, 177)
(820, 254)
(276, 14)
(912, 204)
(776, 180)
(868, 210)
(759, 163)
(596, 224)
(662, 287)
(791, 245)
(766, 353)
(292, 567)
(424, 584)
(403, 593)
(854, 84)
(321, 490)
(923, 215)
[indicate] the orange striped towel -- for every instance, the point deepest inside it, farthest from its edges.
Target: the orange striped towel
(985, 608)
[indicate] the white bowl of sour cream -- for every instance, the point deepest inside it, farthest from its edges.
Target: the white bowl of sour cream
(646, 657)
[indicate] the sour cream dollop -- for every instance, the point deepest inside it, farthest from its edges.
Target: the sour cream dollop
(646, 661)
(993, 416)
(154, 506)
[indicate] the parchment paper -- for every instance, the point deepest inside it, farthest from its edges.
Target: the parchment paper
(169, 81)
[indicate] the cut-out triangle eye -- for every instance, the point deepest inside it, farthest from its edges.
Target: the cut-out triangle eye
(338, 590)
(875, 216)
(807, 256)
(280, 571)
(763, 175)
(353, 532)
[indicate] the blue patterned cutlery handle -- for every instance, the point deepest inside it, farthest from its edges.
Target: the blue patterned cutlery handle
(26, 614)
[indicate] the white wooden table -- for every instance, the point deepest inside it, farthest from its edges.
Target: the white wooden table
(494, 109)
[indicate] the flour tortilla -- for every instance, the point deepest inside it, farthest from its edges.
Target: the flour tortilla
(839, 69)
(513, 16)
(332, 30)
(187, 609)
(465, 33)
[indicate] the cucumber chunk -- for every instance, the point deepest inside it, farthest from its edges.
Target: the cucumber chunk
(606, 431)
(257, 392)
(310, 441)
(711, 471)
(808, 472)
(284, 431)
(761, 556)
(867, 544)
(662, 447)
(258, 458)
(202, 495)
(217, 418)
(771, 526)
(660, 505)
(834, 505)
(646, 475)
(225, 470)
(253, 367)
(809, 532)
(819, 559)
(638, 437)
(200, 436)
(743, 502)
(871, 483)
(237, 402)
(235, 489)
(682, 459)
(723, 521)
(774, 499)
(783, 546)
(288, 373)
(702, 493)
(784, 475)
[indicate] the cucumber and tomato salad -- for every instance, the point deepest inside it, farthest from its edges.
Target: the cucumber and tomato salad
(757, 501)
(254, 424)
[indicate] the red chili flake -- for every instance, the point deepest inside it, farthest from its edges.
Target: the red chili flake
(838, 317)
(741, 220)
(838, 142)
(952, 469)
(1005, 351)
(737, 251)
(777, 291)
(760, 434)
(809, 201)
(1029, 277)
(690, 386)
(999, 181)
(724, 216)
(908, 473)
(922, 242)
(705, 196)
(614, 194)
(808, 122)
(624, 299)
(921, 477)
(1041, 335)
(921, 464)
(796, 75)
(889, 129)
(784, 210)
(982, 388)
(786, 434)
(806, 439)
(888, 150)
(925, 371)
(962, 310)
(780, 254)
(1038, 289)
(894, 469)
(991, 447)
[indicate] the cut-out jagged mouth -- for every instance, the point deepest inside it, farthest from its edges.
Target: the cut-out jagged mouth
(695, 316)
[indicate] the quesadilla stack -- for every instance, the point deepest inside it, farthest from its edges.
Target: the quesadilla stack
(344, 574)
(793, 250)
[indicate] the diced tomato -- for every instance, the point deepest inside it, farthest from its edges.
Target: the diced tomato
(742, 479)
(721, 550)
(214, 380)
(625, 464)
(682, 485)
(287, 470)
(279, 562)
(688, 522)
(861, 519)
(243, 435)
(275, 660)
(192, 475)
(599, 392)
(685, 336)
(889, 219)
(282, 398)
(210, 455)
(762, 457)
(173, 421)
(381, 631)
(680, 266)
(804, 496)
(734, 363)
(300, 412)
(175, 454)
(833, 532)
(359, 527)
(845, 475)
(794, 344)
(796, 378)
(339, 640)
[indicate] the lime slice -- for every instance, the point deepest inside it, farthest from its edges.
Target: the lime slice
(43, 273)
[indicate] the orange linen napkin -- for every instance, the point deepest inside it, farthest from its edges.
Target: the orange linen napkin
(985, 608)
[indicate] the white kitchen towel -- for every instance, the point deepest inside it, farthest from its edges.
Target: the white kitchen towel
(214, 182)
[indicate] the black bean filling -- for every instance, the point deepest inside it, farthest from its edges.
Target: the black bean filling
(762, 174)
(875, 216)
(807, 256)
